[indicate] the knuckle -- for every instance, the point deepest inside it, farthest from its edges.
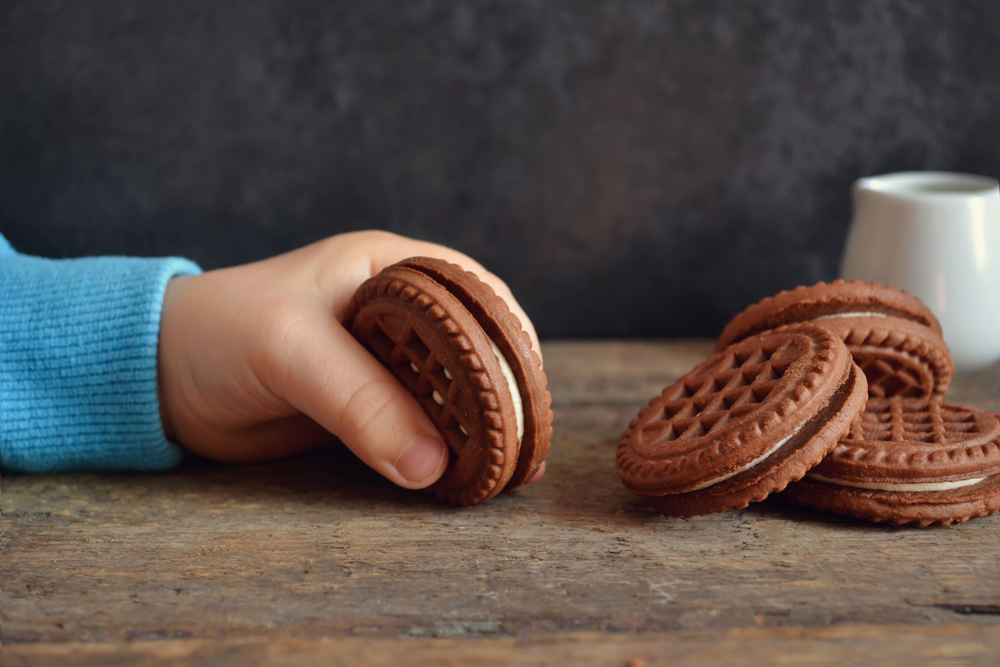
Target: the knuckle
(366, 408)
(367, 237)
(379, 235)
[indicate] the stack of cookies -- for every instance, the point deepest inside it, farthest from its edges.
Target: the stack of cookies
(830, 394)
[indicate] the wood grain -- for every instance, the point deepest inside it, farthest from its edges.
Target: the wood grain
(885, 646)
(319, 548)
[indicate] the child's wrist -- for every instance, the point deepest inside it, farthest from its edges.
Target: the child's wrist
(163, 356)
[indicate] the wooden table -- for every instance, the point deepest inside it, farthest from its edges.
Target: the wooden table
(317, 560)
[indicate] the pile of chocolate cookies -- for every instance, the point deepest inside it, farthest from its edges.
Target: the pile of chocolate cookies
(831, 395)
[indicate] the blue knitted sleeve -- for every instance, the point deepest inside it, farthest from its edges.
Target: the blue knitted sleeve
(78, 341)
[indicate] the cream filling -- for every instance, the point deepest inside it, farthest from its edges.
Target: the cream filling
(886, 486)
(859, 314)
(515, 393)
(757, 460)
(508, 375)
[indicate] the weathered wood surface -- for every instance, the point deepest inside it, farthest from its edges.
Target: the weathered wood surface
(321, 547)
(882, 645)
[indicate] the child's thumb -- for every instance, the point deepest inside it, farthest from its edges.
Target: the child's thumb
(340, 385)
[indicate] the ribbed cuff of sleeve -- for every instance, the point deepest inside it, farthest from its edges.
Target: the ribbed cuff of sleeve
(78, 342)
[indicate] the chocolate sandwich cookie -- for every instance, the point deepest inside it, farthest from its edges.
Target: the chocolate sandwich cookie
(910, 461)
(894, 338)
(456, 346)
(743, 424)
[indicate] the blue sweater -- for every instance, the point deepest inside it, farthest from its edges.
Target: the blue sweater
(78, 342)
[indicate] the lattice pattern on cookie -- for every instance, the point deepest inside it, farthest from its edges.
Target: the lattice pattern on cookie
(891, 377)
(732, 409)
(727, 415)
(724, 391)
(897, 364)
(916, 439)
(913, 421)
(410, 355)
(505, 329)
(398, 345)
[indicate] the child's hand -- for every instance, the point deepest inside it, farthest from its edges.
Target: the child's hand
(254, 363)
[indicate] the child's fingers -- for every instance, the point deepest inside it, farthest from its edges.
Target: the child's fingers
(350, 259)
(538, 474)
(267, 440)
(408, 248)
(329, 376)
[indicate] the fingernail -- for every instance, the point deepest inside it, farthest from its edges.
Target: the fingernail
(538, 474)
(421, 459)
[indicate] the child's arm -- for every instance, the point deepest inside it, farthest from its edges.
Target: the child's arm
(254, 363)
(242, 364)
(78, 342)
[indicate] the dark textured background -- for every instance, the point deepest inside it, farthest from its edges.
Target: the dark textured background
(631, 168)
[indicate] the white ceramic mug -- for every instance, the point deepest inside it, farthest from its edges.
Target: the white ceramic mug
(936, 235)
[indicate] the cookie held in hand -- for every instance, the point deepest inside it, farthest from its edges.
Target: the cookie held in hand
(744, 424)
(455, 345)
(894, 338)
(910, 461)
